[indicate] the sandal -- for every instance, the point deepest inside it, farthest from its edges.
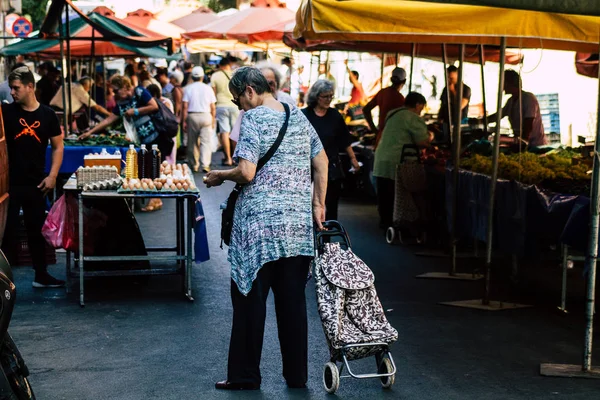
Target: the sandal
(153, 206)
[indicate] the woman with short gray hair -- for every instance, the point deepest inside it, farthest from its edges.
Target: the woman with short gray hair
(334, 135)
(272, 238)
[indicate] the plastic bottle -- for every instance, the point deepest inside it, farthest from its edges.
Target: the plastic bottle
(131, 168)
(155, 161)
(142, 162)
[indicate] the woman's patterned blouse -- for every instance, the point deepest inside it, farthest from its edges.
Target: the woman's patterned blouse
(273, 214)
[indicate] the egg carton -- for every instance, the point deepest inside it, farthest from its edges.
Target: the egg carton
(156, 191)
(107, 184)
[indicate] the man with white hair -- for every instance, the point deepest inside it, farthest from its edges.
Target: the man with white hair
(199, 120)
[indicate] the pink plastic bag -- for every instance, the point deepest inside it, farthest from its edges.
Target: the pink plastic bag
(56, 223)
(61, 229)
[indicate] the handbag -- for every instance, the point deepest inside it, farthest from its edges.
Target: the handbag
(228, 211)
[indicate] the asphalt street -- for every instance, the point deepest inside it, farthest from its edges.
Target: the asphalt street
(140, 339)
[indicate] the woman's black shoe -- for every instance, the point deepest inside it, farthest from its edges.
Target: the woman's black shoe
(226, 385)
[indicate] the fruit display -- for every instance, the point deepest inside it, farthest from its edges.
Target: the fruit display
(530, 168)
(172, 178)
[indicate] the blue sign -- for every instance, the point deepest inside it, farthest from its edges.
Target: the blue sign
(22, 27)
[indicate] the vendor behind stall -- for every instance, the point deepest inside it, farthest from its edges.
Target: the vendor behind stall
(403, 126)
(452, 87)
(80, 99)
(533, 128)
(386, 99)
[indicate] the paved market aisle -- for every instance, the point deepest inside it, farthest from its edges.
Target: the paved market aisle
(142, 340)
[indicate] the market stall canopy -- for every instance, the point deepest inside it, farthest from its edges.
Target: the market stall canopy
(243, 24)
(423, 50)
(579, 7)
(587, 64)
(81, 30)
(132, 38)
(196, 19)
(433, 22)
(145, 19)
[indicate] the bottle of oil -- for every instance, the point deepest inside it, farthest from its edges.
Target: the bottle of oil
(142, 162)
(131, 168)
(155, 157)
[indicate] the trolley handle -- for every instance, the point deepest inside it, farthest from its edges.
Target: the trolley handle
(334, 229)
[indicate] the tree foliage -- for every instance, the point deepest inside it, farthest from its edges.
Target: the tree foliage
(36, 9)
(220, 5)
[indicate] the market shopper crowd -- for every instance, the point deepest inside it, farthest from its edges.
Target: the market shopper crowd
(252, 110)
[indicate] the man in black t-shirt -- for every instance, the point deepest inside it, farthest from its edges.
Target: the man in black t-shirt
(28, 126)
(453, 86)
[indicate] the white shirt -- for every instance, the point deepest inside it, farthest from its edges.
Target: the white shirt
(199, 97)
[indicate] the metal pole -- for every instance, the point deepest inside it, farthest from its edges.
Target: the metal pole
(456, 157)
(412, 64)
(592, 256)
(490, 222)
(92, 74)
(310, 71)
(382, 66)
(69, 77)
(482, 62)
(445, 59)
(565, 263)
(64, 78)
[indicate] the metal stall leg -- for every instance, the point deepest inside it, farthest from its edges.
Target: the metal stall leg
(565, 265)
(179, 220)
(81, 254)
(68, 271)
(189, 248)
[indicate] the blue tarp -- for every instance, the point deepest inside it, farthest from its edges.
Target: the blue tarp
(525, 216)
(73, 156)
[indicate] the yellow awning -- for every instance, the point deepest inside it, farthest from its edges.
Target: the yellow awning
(423, 22)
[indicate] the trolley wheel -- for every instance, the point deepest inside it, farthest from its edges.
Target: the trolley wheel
(385, 368)
(390, 235)
(331, 377)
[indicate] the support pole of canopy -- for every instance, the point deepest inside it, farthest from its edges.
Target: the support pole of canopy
(449, 109)
(482, 62)
(592, 256)
(64, 76)
(412, 65)
(397, 58)
(451, 274)
(456, 146)
(310, 71)
(586, 370)
(92, 75)
(382, 66)
(485, 304)
(69, 77)
(490, 221)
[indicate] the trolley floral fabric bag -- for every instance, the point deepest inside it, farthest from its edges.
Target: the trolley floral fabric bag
(348, 304)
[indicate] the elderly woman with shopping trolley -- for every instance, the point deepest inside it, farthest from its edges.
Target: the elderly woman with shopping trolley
(272, 234)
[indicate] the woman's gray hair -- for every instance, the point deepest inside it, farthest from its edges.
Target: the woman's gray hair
(319, 87)
(248, 76)
(267, 65)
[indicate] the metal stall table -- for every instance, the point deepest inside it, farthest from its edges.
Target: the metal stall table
(183, 249)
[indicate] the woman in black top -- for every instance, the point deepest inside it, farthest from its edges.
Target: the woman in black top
(335, 137)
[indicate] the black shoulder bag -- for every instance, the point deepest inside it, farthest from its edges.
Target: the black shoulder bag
(227, 215)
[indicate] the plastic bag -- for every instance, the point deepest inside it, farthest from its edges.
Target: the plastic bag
(130, 131)
(56, 223)
(61, 229)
